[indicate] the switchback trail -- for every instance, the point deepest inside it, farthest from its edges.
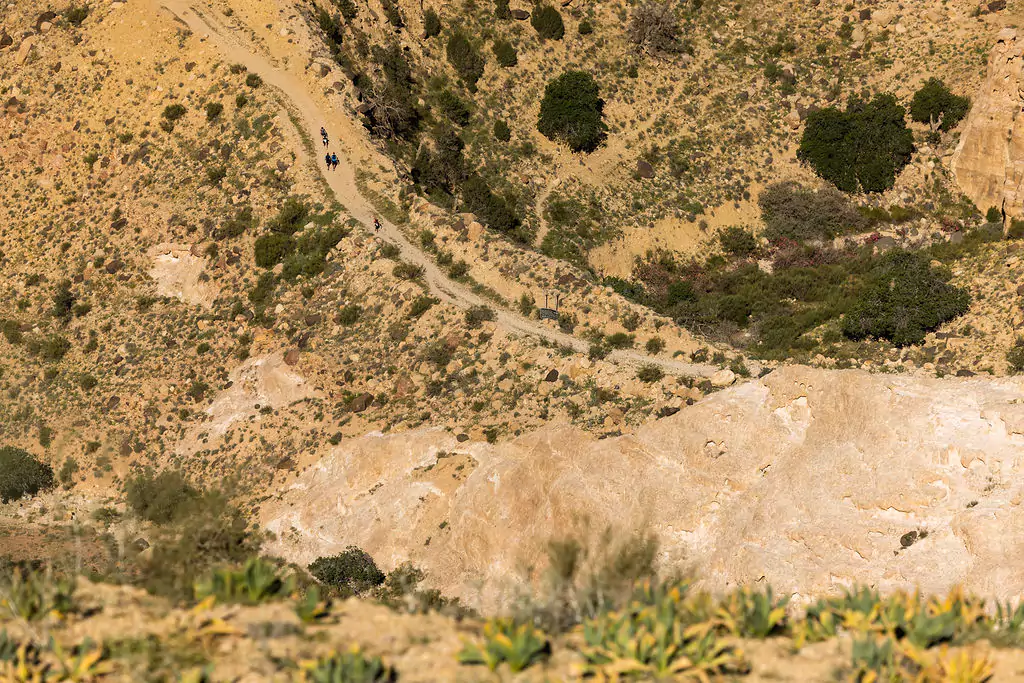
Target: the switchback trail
(236, 49)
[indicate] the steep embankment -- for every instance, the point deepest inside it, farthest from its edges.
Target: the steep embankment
(808, 479)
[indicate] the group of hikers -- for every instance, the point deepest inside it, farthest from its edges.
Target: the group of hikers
(332, 163)
(330, 158)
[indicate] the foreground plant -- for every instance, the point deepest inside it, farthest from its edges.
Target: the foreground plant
(37, 594)
(658, 635)
(257, 581)
(520, 645)
(346, 667)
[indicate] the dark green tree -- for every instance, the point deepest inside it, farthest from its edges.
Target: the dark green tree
(547, 22)
(934, 103)
(573, 112)
(22, 474)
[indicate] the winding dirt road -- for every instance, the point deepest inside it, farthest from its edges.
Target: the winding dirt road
(236, 48)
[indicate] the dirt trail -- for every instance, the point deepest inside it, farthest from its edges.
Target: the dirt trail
(236, 49)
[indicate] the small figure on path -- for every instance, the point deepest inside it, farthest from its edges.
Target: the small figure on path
(334, 161)
(327, 158)
(323, 134)
(376, 224)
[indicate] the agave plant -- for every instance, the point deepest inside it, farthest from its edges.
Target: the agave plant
(747, 613)
(36, 594)
(346, 667)
(310, 607)
(520, 645)
(257, 581)
(656, 639)
(876, 659)
(961, 667)
(84, 663)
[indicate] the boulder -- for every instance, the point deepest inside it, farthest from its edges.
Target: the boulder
(644, 169)
(5, 40)
(361, 402)
(520, 14)
(723, 378)
(988, 163)
(552, 376)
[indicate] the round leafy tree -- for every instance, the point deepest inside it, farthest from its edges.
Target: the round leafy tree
(353, 569)
(903, 299)
(548, 23)
(862, 148)
(468, 62)
(21, 474)
(934, 103)
(572, 112)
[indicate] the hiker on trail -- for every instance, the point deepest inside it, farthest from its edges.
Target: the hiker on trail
(323, 132)
(334, 161)
(327, 158)
(376, 224)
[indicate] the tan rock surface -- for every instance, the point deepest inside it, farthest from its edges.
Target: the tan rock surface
(806, 478)
(989, 160)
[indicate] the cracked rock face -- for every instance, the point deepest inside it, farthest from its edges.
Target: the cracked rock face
(809, 479)
(989, 160)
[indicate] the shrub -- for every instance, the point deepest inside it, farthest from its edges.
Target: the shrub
(501, 131)
(502, 10)
(273, 248)
(87, 381)
(242, 222)
(1015, 356)
(737, 241)
(63, 302)
(547, 22)
(466, 59)
(214, 110)
(241, 100)
(453, 108)
(347, 9)
(477, 315)
(903, 299)
(862, 148)
(291, 217)
(256, 582)
(421, 305)
(253, 80)
(655, 345)
(585, 28)
(619, 340)
(572, 111)
(350, 314)
(431, 23)
(12, 331)
(650, 374)
(492, 210)
(935, 104)
(792, 212)
(407, 271)
(173, 112)
(505, 53)
(160, 498)
(393, 13)
(311, 249)
(994, 215)
(352, 569)
(349, 666)
(654, 27)
(51, 348)
(22, 474)
(75, 14)
(439, 354)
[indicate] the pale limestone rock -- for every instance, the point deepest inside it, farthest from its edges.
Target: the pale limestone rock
(988, 163)
(723, 378)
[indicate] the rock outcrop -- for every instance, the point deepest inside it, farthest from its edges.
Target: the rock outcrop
(988, 163)
(808, 479)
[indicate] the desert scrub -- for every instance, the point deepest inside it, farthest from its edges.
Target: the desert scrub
(22, 474)
(655, 345)
(519, 644)
(572, 111)
(737, 241)
(548, 23)
(650, 374)
(253, 80)
(1015, 356)
(35, 594)
(501, 131)
(465, 59)
(173, 112)
(431, 23)
(477, 315)
(421, 305)
(352, 570)
(214, 110)
(505, 53)
(160, 497)
(790, 211)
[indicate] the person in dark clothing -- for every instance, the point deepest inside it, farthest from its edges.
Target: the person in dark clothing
(327, 158)
(376, 224)
(334, 161)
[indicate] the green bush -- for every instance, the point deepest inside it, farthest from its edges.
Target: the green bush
(160, 498)
(502, 10)
(253, 81)
(655, 345)
(737, 241)
(431, 23)
(491, 209)
(572, 111)
(421, 305)
(547, 22)
(50, 348)
(273, 248)
(75, 14)
(453, 108)
(349, 315)
(256, 582)
(501, 131)
(650, 374)
(790, 211)
(505, 53)
(393, 13)
(934, 103)
(291, 218)
(505, 641)
(904, 298)
(860, 149)
(466, 59)
(352, 569)
(619, 340)
(347, 9)
(214, 110)
(1015, 356)
(173, 112)
(1016, 230)
(242, 222)
(347, 667)
(22, 474)
(585, 28)
(12, 331)
(311, 248)
(477, 315)
(994, 215)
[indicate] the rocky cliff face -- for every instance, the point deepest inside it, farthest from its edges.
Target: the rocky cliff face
(809, 479)
(989, 161)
